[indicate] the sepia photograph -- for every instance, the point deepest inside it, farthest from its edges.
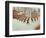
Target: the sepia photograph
(26, 18)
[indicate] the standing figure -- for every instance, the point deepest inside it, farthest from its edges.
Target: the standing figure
(28, 20)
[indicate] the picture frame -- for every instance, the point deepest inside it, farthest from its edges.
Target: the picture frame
(23, 5)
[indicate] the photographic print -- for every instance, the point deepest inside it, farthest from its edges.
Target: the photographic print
(24, 18)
